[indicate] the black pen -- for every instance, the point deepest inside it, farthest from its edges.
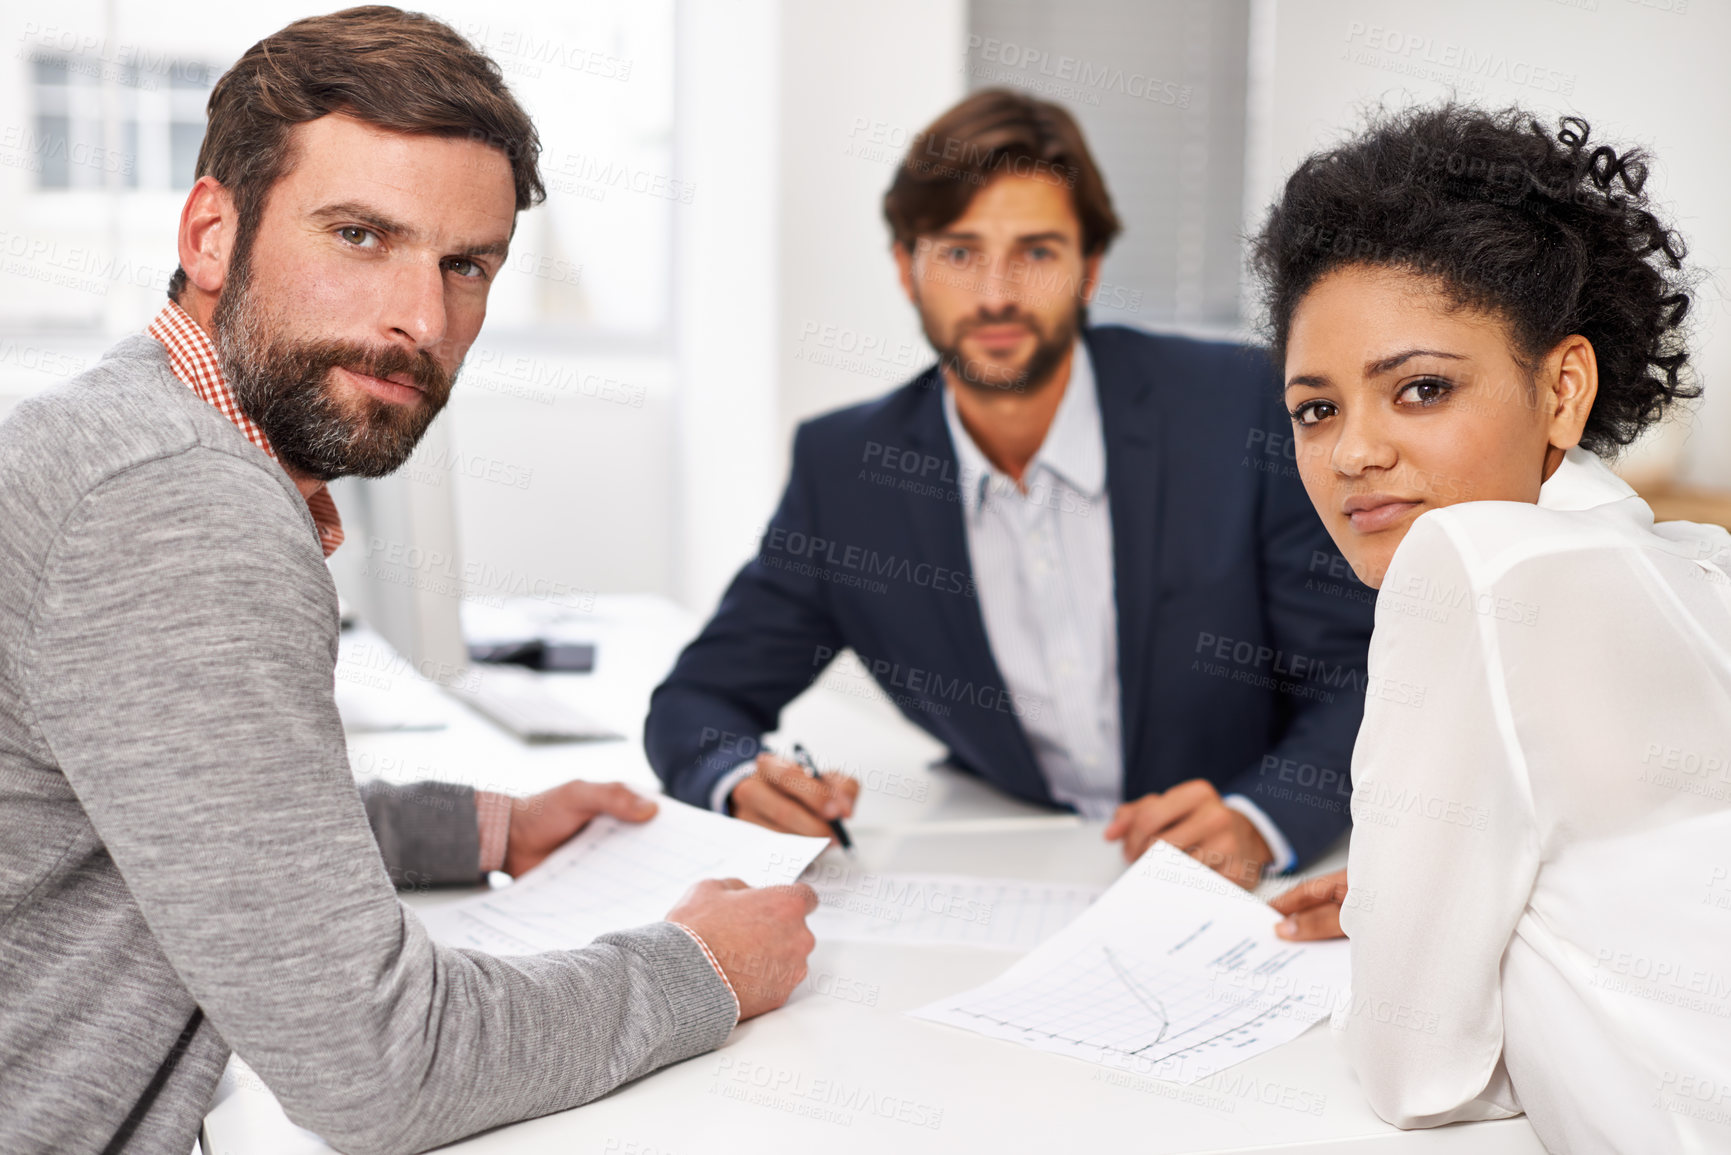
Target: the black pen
(804, 757)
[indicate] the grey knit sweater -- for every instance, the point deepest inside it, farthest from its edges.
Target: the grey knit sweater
(186, 865)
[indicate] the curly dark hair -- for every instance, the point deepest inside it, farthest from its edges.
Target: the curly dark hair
(1553, 236)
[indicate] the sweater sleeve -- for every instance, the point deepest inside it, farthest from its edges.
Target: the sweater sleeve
(428, 833)
(180, 657)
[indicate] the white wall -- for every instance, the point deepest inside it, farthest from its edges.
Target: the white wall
(560, 467)
(725, 288)
(858, 81)
(1647, 71)
(793, 117)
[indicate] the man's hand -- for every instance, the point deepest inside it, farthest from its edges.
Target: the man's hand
(541, 823)
(758, 936)
(1312, 908)
(782, 796)
(1192, 817)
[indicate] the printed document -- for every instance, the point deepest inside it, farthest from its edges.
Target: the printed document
(1175, 973)
(941, 909)
(614, 875)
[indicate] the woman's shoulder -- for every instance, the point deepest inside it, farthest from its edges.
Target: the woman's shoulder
(1484, 542)
(1583, 509)
(1503, 560)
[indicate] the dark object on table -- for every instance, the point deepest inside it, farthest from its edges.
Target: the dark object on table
(536, 654)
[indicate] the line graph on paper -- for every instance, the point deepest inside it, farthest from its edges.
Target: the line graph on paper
(1174, 972)
(1101, 1003)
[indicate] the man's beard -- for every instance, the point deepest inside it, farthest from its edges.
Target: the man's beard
(1050, 349)
(285, 386)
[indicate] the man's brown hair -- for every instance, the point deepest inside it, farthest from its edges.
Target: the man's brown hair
(395, 70)
(996, 132)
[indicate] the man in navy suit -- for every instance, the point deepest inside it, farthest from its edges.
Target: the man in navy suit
(1078, 556)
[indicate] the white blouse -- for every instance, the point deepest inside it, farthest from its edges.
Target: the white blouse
(1540, 868)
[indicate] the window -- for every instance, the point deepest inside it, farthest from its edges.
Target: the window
(155, 108)
(112, 116)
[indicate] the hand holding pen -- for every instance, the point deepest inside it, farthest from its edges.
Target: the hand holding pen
(805, 759)
(783, 793)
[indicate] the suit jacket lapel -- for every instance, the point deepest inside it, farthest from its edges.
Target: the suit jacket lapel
(1135, 490)
(939, 536)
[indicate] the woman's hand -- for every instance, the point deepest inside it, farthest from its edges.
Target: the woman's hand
(1312, 908)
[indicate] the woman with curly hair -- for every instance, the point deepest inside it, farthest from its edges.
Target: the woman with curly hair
(1471, 313)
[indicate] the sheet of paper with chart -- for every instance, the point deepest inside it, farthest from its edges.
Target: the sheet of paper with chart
(1174, 973)
(615, 875)
(941, 909)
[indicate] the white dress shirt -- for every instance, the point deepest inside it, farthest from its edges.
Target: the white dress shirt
(1540, 902)
(1042, 565)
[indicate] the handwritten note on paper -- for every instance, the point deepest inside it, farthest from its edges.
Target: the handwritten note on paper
(615, 875)
(941, 909)
(1174, 972)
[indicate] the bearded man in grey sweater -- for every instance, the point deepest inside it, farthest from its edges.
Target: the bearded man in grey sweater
(186, 864)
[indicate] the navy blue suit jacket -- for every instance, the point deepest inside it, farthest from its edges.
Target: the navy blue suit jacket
(1241, 634)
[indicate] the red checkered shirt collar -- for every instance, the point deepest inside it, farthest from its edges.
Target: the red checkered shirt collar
(192, 356)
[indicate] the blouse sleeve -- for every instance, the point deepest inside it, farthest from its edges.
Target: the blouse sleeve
(1444, 845)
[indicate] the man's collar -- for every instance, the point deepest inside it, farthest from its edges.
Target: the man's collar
(1074, 448)
(192, 357)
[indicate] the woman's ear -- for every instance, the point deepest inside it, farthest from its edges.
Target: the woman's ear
(1572, 374)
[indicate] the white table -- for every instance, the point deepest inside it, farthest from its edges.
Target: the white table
(841, 1068)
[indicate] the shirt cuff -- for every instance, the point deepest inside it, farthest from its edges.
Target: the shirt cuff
(493, 816)
(1284, 858)
(724, 787)
(710, 955)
